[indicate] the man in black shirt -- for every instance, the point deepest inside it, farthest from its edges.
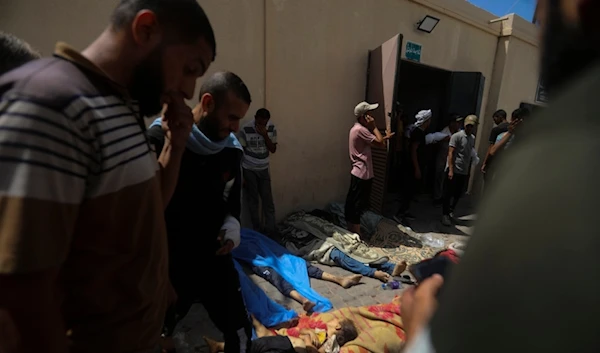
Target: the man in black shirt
(412, 165)
(203, 215)
(501, 126)
(505, 139)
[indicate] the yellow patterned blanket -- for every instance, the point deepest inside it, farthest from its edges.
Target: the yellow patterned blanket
(379, 327)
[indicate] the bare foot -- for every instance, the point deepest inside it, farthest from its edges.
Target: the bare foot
(399, 268)
(350, 281)
(308, 306)
(382, 276)
(214, 346)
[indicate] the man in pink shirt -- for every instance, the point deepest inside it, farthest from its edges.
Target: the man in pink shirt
(363, 135)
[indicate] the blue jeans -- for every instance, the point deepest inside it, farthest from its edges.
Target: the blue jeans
(348, 263)
(283, 286)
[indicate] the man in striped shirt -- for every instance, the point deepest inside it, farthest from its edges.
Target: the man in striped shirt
(259, 138)
(83, 252)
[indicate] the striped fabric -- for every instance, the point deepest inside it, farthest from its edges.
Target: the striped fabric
(256, 153)
(93, 139)
(79, 193)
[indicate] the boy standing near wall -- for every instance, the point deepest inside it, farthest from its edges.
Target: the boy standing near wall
(259, 139)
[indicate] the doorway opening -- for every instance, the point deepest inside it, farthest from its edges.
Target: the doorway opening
(403, 88)
(422, 87)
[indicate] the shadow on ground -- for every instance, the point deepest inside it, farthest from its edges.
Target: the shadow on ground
(428, 217)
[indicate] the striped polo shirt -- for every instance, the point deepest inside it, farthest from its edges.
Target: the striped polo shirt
(256, 153)
(79, 193)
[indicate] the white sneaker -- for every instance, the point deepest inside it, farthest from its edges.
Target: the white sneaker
(446, 221)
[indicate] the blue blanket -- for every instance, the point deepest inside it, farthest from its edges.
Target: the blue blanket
(258, 250)
(268, 312)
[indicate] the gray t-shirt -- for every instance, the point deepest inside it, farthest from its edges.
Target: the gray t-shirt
(463, 151)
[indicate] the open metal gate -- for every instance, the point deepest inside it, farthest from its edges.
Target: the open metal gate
(382, 80)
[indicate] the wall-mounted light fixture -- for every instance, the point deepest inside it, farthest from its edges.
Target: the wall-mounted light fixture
(427, 24)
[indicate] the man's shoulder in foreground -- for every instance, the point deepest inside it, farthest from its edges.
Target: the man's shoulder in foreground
(52, 81)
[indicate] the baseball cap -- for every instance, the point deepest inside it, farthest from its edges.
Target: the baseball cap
(471, 120)
(363, 107)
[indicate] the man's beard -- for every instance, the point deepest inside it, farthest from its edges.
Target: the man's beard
(568, 50)
(148, 84)
(209, 125)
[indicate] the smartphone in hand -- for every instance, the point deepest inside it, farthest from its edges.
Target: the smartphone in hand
(427, 268)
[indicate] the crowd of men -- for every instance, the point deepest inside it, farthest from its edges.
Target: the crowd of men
(93, 206)
(454, 159)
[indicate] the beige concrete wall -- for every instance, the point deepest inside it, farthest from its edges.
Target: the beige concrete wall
(43, 23)
(521, 64)
(514, 79)
(316, 73)
(239, 30)
(520, 76)
(306, 61)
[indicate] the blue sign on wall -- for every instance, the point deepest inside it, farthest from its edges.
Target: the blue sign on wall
(413, 51)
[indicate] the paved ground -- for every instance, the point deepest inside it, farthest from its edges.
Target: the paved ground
(196, 324)
(189, 334)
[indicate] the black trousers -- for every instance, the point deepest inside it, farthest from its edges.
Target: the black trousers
(357, 200)
(214, 282)
(453, 190)
(272, 344)
(283, 286)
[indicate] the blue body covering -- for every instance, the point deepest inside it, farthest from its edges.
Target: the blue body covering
(259, 250)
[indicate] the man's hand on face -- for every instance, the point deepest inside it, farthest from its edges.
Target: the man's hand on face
(513, 125)
(261, 130)
(418, 305)
(177, 120)
(227, 245)
(370, 122)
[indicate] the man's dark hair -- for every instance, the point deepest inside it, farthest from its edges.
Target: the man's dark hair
(500, 114)
(183, 20)
(263, 113)
(520, 113)
(220, 84)
(14, 52)
(346, 333)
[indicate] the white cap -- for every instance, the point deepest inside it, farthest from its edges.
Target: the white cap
(363, 108)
